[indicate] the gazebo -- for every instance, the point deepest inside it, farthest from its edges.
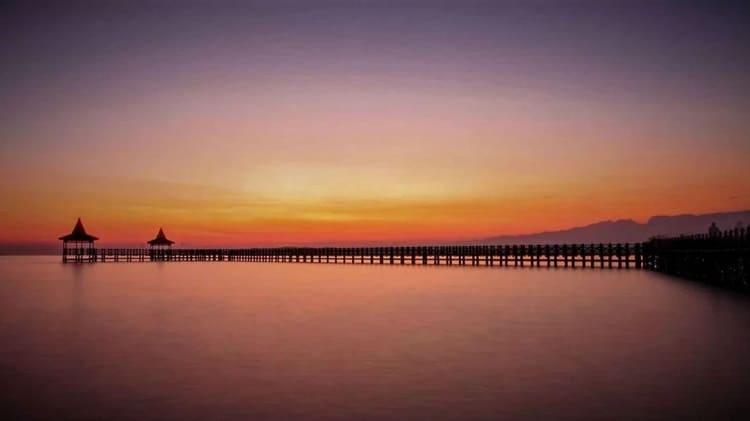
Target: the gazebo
(82, 243)
(160, 246)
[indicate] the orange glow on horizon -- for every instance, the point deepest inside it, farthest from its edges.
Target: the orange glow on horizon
(272, 129)
(131, 211)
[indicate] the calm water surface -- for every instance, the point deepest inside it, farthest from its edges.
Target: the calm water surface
(314, 341)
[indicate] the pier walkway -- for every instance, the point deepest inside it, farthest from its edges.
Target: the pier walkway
(550, 255)
(719, 258)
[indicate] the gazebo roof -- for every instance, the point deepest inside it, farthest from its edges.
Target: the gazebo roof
(161, 240)
(79, 234)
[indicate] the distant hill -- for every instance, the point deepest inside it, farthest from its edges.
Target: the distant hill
(627, 230)
(620, 231)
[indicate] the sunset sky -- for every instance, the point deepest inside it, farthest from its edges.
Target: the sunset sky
(311, 122)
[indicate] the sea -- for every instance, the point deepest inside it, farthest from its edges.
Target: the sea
(296, 341)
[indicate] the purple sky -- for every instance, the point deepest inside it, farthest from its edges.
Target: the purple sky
(377, 119)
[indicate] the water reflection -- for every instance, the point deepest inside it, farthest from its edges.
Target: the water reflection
(244, 340)
(77, 299)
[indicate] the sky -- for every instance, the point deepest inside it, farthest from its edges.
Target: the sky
(312, 122)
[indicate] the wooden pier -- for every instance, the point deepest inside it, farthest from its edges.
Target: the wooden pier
(718, 258)
(620, 256)
(721, 258)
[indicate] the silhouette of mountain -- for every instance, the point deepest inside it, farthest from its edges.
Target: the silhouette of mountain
(627, 230)
(620, 231)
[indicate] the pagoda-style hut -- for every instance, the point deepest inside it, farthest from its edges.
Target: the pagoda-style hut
(160, 248)
(78, 246)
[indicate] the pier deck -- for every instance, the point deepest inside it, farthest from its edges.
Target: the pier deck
(564, 255)
(722, 259)
(719, 258)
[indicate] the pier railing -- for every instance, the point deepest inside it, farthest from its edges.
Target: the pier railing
(547, 255)
(719, 258)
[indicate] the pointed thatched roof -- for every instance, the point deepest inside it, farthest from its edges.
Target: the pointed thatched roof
(161, 240)
(79, 234)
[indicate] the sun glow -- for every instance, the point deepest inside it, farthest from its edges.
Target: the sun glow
(255, 132)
